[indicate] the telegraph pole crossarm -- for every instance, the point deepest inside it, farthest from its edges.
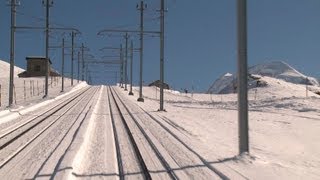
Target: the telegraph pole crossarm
(114, 48)
(104, 62)
(51, 28)
(102, 32)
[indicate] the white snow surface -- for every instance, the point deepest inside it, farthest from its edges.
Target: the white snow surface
(282, 70)
(283, 123)
(4, 67)
(8, 115)
(275, 69)
(29, 91)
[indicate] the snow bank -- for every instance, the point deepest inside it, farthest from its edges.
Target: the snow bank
(5, 70)
(84, 139)
(8, 115)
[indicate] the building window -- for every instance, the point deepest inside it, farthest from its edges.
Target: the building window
(37, 68)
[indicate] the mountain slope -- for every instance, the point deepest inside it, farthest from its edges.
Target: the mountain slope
(276, 69)
(282, 70)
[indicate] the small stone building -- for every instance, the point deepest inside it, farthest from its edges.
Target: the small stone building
(36, 66)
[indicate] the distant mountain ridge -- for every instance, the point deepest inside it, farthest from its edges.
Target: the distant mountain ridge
(282, 70)
(274, 69)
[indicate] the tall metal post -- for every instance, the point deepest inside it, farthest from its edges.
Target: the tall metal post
(78, 76)
(121, 66)
(161, 54)
(142, 7)
(47, 70)
(131, 64)
(72, 55)
(82, 57)
(62, 67)
(116, 78)
(126, 64)
(12, 48)
(242, 77)
(87, 74)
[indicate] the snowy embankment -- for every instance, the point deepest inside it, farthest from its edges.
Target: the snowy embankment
(94, 152)
(5, 68)
(284, 123)
(28, 92)
(8, 115)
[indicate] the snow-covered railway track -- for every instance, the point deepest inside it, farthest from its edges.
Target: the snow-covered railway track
(183, 160)
(26, 143)
(23, 126)
(150, 151)
(129, 157)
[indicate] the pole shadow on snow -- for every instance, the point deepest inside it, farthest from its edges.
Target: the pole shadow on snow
(153, 171)
(56, 169)
(203, 160)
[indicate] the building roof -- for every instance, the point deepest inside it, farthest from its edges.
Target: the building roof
(37, 57)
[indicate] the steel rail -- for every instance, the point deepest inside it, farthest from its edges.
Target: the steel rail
(69, 100)
(11, 156)
(115, 133)
(153, 146)
(133, 142)
(209, 166)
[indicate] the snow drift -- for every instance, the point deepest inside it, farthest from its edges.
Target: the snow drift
(5, 70)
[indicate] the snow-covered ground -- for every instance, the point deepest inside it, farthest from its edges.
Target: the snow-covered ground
(284, 126)
(198, 135)
(276, 69)
(28, 91)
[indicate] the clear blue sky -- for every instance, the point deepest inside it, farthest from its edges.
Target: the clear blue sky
(200, 35)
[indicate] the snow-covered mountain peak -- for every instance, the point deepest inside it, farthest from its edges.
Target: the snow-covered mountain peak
(282, 70)
(274, 69)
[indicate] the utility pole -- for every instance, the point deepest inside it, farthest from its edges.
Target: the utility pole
(141, 8)
(78, 77)
(126, 64)
(62, 68)
(131, 64)
(121, 66)
(242, 77)
(72, 55)
(161, 54)
(13, 5)
(47, 70)
(116, 77)
(87, 74)
(82, 72)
